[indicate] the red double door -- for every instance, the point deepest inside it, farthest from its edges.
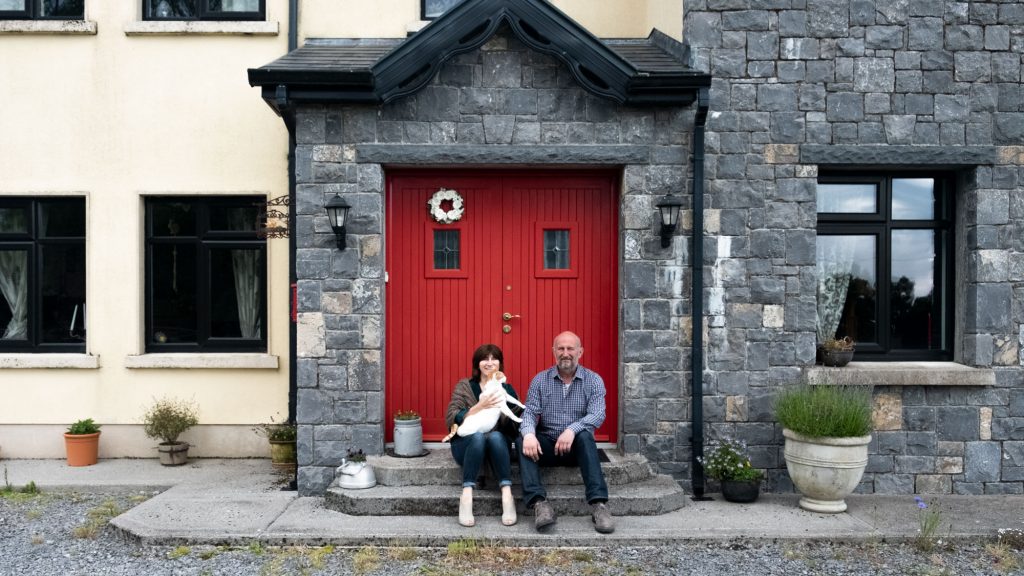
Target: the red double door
(534, 253)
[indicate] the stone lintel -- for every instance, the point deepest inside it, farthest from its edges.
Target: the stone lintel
(901, 374)
(428, 154)
(850, 155)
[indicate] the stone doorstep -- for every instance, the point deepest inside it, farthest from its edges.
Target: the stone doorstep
(439, 469)
(658, 495)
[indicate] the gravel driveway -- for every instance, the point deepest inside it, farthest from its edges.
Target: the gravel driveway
(66, 533)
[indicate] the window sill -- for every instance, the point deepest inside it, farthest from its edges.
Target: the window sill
(192, 27)
(75, 361)
(55, 27)
(238, 360)
(901, 374)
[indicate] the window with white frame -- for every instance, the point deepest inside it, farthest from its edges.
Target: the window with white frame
(885, 263)
(42, 9)
(42, 274)
(204, 9)
(433, 8)
(205, 275)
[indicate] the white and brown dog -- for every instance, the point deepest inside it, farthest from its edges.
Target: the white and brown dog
(485, 420)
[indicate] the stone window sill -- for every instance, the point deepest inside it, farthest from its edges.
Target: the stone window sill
(901, 374)
(244, 361)
(74, 361)
(52, 27)
(192, 27)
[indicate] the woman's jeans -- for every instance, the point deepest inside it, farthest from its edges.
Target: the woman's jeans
(471, 451)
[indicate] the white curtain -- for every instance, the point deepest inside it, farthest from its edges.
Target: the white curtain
(14, 287)
(835, 264)
(247, 291)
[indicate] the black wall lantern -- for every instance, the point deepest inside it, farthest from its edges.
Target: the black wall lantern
(669, 207)
(337, 213)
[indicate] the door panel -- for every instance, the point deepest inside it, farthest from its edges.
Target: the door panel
(436, 318)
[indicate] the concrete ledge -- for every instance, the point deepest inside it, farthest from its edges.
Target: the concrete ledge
(53, 27)
(417, 154)
(190, 27)
(897, 155)
(73, 361)
(901, 374)
(203, 361)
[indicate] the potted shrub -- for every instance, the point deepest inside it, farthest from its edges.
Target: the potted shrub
(827, 430)
(82, 443)
(836, 351)
(354, 473)
(165, 420)
(728, 463)
(408, 433)
(282, 443)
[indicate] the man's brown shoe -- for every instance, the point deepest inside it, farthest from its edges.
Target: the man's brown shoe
(602, 518)
(544, 515)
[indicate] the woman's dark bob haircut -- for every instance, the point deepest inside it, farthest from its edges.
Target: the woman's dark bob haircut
(482, 353)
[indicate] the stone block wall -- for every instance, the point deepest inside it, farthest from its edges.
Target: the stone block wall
(805, 85)
(500, 105)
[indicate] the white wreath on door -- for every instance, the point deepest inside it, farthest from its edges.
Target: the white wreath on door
(446, 216)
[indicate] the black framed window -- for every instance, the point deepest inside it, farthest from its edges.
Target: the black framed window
(431, 9)
(42, 275)
(885, 263)
(205, 275)
(204, 9)
(42, 9)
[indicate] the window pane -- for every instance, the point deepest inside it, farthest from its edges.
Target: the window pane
(62, 219)
(234, 5)
(848, 198)
(847, 286)
(434, 8)
(63, 293)
(234, 218)
(556, 249)
(913, 199)
(174, 293)
(915, 317)
(172, 8)
(65, 8)
(13, 5)
(13, 294)
(446, 250)
(13, 220)
(236, 280)
(173, 219)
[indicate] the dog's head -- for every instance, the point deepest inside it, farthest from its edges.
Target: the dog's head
(498, 376)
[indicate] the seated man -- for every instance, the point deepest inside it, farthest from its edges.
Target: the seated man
(564, 405)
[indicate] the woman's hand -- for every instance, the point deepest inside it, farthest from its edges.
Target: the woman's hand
(486, 401)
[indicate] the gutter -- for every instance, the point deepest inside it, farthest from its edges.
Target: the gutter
(697, 298)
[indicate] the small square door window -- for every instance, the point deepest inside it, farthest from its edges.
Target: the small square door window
(446, 250)
(556, 249)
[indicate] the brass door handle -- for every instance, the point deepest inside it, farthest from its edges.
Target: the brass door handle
(508, 316)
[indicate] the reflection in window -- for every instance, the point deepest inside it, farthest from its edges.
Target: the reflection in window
(913, 198)
(846, 287)
(911, 300)
(204, 9)
(556, 249)
(42, 9)
(434, 8)
(446, 249)
(847, 198)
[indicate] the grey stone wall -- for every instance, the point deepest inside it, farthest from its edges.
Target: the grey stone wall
(802, 85)
(500, 105)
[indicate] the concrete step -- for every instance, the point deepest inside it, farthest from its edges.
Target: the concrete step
(438, 468)
(656, 495)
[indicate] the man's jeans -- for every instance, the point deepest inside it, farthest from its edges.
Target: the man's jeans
(471, 451)
(583, 454)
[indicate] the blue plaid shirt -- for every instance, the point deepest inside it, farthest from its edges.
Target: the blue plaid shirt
(550, 409)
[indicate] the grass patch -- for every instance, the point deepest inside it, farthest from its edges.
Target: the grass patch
(366, 559)
(403, 553)
(179, 552)
(825, 411)
(1004, 559)
(18, 494)
(98, 518)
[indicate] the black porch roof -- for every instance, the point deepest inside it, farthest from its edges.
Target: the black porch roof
(641, 71)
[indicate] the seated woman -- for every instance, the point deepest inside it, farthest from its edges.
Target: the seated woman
(471, 451)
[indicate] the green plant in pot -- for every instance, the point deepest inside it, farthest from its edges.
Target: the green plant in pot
(728, 463)
(82, 442)
(167, 419)
(827, 430)
(282, 438)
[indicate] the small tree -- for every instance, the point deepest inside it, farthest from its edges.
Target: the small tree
(167, 418)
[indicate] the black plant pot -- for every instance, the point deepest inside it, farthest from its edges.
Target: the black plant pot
(836, 358)
(741, 490)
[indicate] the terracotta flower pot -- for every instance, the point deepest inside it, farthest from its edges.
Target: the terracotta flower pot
(82, 449)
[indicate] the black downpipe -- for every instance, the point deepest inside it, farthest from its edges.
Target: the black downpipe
(288, 115)
(697, 297)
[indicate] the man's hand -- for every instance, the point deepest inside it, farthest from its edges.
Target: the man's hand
(564, 443)
(531, 447)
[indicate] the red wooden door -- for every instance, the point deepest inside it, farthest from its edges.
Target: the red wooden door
(541, 246)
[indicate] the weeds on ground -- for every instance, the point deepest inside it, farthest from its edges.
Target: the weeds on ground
(296, 560)
(1004, 559)
(366, 559)
(256, 548)
(179, 552)
(98, 517)
(11, 492)
(929, 521)
(1012, 537)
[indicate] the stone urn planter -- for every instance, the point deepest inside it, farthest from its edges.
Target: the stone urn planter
(408, 434)
(173, 454)
(825, 470)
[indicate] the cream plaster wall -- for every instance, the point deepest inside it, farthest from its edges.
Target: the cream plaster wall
(114, 117)
(395, 18)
